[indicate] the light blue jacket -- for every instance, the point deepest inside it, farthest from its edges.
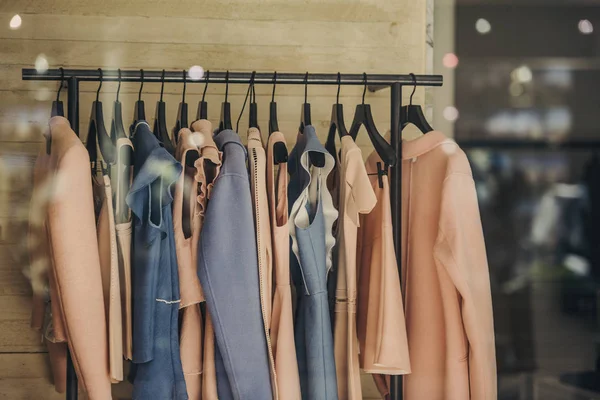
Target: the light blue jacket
(228, 271)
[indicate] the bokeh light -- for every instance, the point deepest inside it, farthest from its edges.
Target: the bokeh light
(41, 63)
(450, 60)
(451, 113)
(516, 89)
(196, 72)
(483, 26)
(522, 74)
(585, 27)
(15, 22)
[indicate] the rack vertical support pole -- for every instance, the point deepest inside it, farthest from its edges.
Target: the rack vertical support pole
(73, 116)
(396, 392)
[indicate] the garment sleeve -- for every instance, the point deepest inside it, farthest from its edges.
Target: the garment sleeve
(77, 272)
(362, 197)
(460, 249)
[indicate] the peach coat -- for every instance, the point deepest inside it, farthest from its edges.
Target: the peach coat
(282, 323)
(63, 236)
(445, 277)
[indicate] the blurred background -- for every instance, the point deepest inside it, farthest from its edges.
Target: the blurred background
(522, 97)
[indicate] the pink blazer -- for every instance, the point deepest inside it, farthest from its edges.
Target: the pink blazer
(445, 277)
(63, 225)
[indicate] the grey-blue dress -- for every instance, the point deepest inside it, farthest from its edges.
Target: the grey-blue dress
(228, 271)
(157, 374)
(309, 268)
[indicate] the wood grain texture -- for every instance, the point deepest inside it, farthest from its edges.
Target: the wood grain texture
(256, 10)
(374, 36)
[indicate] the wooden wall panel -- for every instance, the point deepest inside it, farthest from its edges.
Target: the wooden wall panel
(375, 36)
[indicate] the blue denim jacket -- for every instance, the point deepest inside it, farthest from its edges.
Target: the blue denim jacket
(228, 271)
(312, 328)
(157, 374)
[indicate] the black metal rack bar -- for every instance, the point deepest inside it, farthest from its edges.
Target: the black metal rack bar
(375, 81)
(93, 75)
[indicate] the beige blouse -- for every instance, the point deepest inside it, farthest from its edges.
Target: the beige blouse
(282, 324)
(257, 165)
(200, 158)
(109, 267)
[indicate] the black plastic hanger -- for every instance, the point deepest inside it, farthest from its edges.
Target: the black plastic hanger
(253, 117)
(305, 111)
(225, 121)
(124, 156)
(116, 125)
(337, 121)
(57, 105)
(182, 112)
(316, 159)
(248, 93)
(363, 116)
(97, 131)
(160, 120)
(280, 152)
(57, 109)
(139, 113)
(203, 105)
(413, 114)
(273, 124)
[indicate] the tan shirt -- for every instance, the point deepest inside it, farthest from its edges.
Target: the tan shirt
(109, 267)
(122, 182)
(282, 324)
(380, 315)
(257, 162)
(355, 197)
(65, 222)
(445, 276)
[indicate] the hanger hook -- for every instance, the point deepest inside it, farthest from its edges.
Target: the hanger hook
(339, 82)
(306, 87)
(100, 85)
(119, 87)
(274, 83)
(365, 88)
(205, 85)
(226, 85)
(141, 85)
(62, 81)
(414, 79)
(184, 85)
(162, 86)
(253, 92)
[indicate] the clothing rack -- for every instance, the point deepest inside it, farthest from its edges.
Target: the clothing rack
(375, 82)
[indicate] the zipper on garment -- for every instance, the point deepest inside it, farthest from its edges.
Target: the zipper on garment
(261, 282)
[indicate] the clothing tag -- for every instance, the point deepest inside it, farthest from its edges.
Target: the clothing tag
(414, 159)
